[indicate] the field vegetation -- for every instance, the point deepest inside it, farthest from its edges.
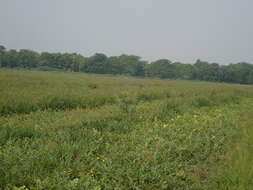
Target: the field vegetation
(85, 131)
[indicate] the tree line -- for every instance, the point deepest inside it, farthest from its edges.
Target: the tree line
(129, 65)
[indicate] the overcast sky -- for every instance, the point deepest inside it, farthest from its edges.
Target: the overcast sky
(180, 30)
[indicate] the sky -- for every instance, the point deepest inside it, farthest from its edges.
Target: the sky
(218, 31)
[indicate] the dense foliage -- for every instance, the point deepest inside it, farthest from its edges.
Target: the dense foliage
(127, 65)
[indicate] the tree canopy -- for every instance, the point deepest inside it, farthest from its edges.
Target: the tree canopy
(129, 65)
(2, 50)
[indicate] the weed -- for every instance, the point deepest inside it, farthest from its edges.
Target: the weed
(76, 131)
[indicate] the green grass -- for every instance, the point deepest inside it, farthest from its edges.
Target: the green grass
(236, 172)
(26, 92)
(77, 131)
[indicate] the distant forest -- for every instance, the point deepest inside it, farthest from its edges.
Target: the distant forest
(129, 65)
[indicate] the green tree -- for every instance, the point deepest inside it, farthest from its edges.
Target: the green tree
(162, 68)
(2, 53)
(2, 50)
(27, 58)
(183, 71)
(10, 59)
(205, 71)
(96, 64)
(131, 65)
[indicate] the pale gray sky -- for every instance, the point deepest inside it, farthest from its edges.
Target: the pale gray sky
(180, 30)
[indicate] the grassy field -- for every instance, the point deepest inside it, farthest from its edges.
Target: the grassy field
(79, 131)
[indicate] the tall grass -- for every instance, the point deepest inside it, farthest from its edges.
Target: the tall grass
(76, 131)
(236, 173)
(26, 92)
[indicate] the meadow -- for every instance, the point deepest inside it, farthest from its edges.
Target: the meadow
(97, 132)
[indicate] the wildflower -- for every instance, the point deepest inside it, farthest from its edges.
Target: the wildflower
(98, 187)
(75, 181)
